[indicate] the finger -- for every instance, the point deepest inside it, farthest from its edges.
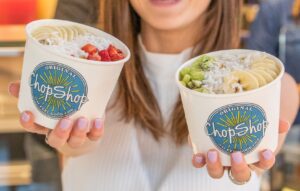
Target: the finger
(13, 89)
(27, 121)
(214, 166)
(198, 160)
(60, 134)
(97, 130)
(284, 126)
(239, 168)
(266, 160)
(256, 169)
(79, 133)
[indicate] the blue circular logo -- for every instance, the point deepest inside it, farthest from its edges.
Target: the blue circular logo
(57, 90)
(237, 127)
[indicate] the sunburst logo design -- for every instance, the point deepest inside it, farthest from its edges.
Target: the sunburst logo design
(57, 90)
(237, 127)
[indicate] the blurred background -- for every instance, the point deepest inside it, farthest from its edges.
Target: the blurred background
(28, 164)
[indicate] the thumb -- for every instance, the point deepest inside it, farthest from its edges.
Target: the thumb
(14, 88)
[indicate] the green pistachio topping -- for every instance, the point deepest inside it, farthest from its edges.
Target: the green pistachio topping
(202, 90)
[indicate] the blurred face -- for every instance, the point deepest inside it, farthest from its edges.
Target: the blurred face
(169, 14)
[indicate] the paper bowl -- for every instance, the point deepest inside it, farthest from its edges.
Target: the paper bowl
(54, 86)
(246, 122)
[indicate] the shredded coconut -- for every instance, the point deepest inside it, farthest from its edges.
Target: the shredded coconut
(73, 47)
(222, 66)
(69, 40)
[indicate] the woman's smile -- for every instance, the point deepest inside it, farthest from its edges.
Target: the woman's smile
(169, 14)
(164, 2)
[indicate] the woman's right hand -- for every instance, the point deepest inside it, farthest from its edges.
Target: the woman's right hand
(67, 132)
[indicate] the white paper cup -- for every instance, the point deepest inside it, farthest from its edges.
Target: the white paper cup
(246, 122)
(54, 85)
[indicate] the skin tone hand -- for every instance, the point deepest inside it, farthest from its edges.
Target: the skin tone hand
(239, 169)
(68, 134)
(164, 30)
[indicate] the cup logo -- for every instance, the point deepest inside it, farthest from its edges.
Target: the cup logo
(57, 90)
(237, 127)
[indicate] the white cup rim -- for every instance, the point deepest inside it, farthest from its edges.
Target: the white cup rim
(37, 23)
(190, 91)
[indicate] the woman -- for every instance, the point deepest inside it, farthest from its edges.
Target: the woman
(145, 142)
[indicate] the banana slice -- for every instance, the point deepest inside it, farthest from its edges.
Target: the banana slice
(231, 85)
(271, 72)
(68, 33)
(261, 80)
(267, 62)
(46, 32)
(62, 32)
(270, 61)
(240, 81)
(42, 32)
(43, 29)
(264, 74)
(80, 30)
(271, 66)
(46, 35)
(246, 79)
(74, 31)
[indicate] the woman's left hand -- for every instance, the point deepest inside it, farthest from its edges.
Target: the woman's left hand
(240, 170)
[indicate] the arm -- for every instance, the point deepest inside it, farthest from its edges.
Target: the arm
(289, 99)
(289, 104)
(299, 93)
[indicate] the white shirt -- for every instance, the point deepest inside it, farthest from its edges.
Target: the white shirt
(128, 158)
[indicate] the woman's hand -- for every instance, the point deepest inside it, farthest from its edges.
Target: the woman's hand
(67, 132)
(239, 169)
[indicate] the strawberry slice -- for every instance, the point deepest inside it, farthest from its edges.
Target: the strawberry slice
(116, 57)
(112, 50)
(89, 48)
(94, 56)
(104, 55)
(114, 53)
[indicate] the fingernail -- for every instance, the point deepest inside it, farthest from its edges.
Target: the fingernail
(212, 156)
(65, 124)
(82, 123)
(267, 154)
(98, 123)
(25, 117)
(199, 159)
(237, 157)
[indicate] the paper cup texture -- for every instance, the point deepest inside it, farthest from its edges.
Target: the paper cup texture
(246, 122)
(54, 86)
